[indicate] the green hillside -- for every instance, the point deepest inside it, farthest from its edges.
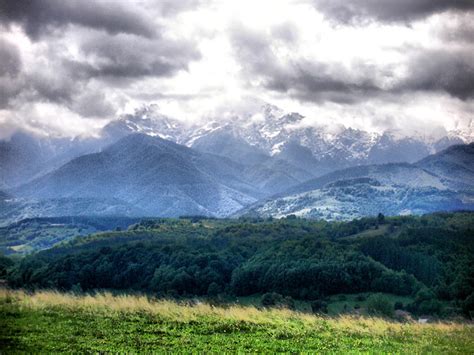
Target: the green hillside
(429, 260)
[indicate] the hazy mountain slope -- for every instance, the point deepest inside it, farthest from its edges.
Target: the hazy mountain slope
(300, 157)
(443, 181)
(24, 156)
(20, 158)
(454, 166)
(141, 175)
(391, 150)
(228, 145)
(159, 177)
(13, 210)
(393, 173)
(268, 174)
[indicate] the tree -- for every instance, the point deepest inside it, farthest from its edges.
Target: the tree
(213, 290)
(398, 305)
(468, 306)
(380, 218)
(270, 299)
(425, 303)
(380, 305)
(275, 299)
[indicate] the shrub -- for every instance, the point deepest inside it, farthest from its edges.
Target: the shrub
(318, 306)
(378, 304)
(360, 298)
(214, 289)
(398, 305)
(432, 306)
(76, 289)
(468, 306)
(275, 299)
(425, 303)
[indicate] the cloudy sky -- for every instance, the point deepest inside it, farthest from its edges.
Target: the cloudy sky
(68, 67)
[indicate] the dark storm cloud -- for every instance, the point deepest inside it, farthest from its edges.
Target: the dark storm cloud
(10, 60)
(105, 61)
(356, 11)
(451, 72)
(93, 104)
(318, 82)
(171, 7)
(10, 67)
(127, 56)
(458, 29)
(286, 32)
(461, 34)
(58, 87)
(117, 44)
(428, 71)
(301, 79)
(40, 16)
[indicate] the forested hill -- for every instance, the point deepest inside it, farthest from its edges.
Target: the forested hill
(428, 258)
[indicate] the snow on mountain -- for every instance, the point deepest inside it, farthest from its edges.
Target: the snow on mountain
(443, 181)
(147, 120)
(273, 132)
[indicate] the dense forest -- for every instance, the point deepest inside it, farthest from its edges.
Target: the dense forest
(428, 258)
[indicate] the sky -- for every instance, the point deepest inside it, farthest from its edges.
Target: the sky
(69, 67)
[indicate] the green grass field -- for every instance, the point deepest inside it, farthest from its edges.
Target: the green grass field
(54, 322)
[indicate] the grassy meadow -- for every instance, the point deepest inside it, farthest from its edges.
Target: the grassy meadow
(48, 321)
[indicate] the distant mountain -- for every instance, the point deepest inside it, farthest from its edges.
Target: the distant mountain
(269, 174)
(142, 175)
(269, 131)
(20, 158)
(224, 143)
(265, 137)
(444, 181)
(146, 120)
(153, 175)
(223, 165)
(391, 150)
(454, 166)
(24, 156)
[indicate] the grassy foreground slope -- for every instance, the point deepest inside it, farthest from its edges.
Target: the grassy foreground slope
(52, 322)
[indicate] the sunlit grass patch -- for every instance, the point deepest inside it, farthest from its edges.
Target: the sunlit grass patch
(54, 321)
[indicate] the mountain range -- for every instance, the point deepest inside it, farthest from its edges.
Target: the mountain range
(264, 164)
(440, 182)
(269, 138)
(271, 132)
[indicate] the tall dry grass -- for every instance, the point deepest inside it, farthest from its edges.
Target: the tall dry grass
(109, 304)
